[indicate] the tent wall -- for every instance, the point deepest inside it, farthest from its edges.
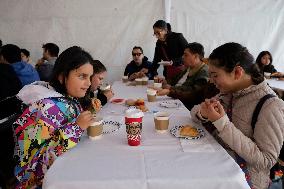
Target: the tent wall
(258, 25)
(109, 29)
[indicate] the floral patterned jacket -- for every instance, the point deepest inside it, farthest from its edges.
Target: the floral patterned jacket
(44, 131)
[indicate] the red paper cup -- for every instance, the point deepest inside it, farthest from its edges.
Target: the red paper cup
(134, 129)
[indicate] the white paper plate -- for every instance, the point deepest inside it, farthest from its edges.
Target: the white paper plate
(170, 104)
(165, 63)
(176, 129)
(110, 126)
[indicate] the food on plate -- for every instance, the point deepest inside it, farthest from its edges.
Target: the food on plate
(139, 101)
(143, 108)
(188, 130)
(117, 100)
(130, 102)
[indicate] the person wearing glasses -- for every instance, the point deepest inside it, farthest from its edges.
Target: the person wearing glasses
(169, 49)
(139, 66)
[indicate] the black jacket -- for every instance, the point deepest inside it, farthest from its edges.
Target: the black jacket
(132, 67)
(174, 46)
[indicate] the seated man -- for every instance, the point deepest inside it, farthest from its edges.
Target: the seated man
(191, 86)
(26, 73)
(139, 66)
(45, 65)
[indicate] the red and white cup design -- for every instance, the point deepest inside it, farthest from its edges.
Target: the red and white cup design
(133, 122)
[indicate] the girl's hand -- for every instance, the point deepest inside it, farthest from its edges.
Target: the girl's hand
(85, 119)
(109, 94)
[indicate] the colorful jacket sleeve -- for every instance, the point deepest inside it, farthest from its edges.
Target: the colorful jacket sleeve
(43, 132)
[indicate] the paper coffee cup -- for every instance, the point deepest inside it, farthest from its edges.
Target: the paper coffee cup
(145, 80)
(161, 120)
(124, 78)
(157, 85)
(156, 79)
(105, 87)
(267, 75)
(138, 81)
(133, 122)
(151, 95)
(96, 128)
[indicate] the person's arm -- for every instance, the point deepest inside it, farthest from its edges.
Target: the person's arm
(263, 151)
(53, 129)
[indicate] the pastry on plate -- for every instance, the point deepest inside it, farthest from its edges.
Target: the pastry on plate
(188, 130)
(130, 102)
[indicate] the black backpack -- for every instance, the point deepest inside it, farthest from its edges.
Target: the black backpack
(277, 167)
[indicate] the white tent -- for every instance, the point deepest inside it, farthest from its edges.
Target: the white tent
(109, 29)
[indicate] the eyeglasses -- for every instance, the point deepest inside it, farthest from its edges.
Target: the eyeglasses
(136, 54)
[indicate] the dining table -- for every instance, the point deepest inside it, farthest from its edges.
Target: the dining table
(161, 161)
(276, 83)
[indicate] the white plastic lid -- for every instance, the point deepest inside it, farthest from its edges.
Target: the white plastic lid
(151, 92)
(133, 113)
(138, 79)
(145, 78)
(98, 121)
(161, 116)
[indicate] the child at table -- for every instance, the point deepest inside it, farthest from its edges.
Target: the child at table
(54, 122)
(241, 87)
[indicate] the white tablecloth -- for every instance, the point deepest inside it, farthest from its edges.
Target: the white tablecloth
(276, 84)
(160, 162)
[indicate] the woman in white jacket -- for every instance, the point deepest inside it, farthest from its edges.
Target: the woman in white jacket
(241, 86)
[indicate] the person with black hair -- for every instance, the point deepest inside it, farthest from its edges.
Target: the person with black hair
(188, 85)
(45, 65)
(242, 86)
(264, 61)
(54, 120)
(139, 66)
(169, 49)
(10, 86)
(25, 56)
(97, 78)
(26, 73)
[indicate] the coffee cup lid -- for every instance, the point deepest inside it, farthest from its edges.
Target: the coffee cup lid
(97, 121)
(151, 92)
(133, 113)
(161, 116)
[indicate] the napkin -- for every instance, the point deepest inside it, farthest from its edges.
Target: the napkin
(197, 145)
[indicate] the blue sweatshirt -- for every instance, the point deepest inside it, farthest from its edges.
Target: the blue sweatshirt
(25, 72)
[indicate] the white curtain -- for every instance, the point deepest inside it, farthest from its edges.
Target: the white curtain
(256, 24)
(108, 29)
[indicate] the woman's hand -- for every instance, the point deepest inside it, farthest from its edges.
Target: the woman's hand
(163, 92)
(211, 109)
(215, 111)
(85, 119)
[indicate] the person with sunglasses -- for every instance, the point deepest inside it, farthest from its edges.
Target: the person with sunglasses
(169, 50)
(139, 66)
